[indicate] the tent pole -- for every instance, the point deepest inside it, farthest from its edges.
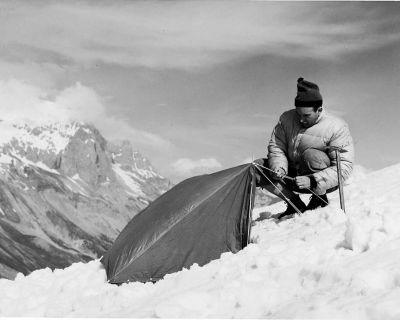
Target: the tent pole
(250, 215)
(340, 181)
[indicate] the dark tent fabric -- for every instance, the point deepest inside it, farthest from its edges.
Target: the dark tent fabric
(194, 222)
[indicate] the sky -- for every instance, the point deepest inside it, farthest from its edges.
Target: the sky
(197, 86)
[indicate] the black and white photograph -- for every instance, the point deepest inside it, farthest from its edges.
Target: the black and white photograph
(200, 159)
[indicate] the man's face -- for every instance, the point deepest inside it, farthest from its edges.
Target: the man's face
(307, 116)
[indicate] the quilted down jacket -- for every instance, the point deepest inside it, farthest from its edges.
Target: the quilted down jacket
(289, 140)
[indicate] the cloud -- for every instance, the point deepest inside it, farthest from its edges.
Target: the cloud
(177, 34)
(43, 75)
(26, 103)
(23, 102)
(188, 167)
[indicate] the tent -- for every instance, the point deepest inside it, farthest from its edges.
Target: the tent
(194, 222)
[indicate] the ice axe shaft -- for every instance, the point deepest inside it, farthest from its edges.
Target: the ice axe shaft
(339, 150)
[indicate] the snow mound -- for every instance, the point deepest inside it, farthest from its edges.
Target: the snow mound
(322, 264)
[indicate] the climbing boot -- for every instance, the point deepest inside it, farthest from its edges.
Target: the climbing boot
(290, 209)
(316, 202)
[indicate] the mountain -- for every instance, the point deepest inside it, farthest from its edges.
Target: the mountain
(322, 264)
(66, 193)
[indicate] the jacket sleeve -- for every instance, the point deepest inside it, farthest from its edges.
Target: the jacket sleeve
(328, 178)
(277, 148)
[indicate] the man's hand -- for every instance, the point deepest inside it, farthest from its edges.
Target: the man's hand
(278, 174)
(303, 182)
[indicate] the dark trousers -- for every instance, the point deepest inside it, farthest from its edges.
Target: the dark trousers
(311, 161)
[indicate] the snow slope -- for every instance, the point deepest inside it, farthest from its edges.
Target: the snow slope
(322, 264)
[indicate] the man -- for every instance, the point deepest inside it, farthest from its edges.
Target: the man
(298, 157)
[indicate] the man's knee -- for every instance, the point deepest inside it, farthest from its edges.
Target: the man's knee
(314, 160)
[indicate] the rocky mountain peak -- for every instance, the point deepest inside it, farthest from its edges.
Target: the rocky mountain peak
(66, 192)
(74, 149)
(85, 156)
(122, 152)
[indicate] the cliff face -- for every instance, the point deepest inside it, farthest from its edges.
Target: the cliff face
(66, 193)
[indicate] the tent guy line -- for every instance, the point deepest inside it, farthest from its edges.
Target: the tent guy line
(285, 177)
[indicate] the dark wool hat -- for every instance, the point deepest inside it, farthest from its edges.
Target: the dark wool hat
(307, 94)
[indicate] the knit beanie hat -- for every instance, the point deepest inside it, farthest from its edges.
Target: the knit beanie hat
(307, 94)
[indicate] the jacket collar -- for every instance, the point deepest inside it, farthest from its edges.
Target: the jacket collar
(321, 116)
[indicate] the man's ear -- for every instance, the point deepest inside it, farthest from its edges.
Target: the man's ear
(319, 109)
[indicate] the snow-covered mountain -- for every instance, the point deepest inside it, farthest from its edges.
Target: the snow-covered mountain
(323, 264)
(66, 193)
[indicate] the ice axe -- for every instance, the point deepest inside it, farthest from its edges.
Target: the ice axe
(338, 151)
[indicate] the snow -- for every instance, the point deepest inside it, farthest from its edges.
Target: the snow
(4, 160)
(53, 137)
(42, 166)
(322, 264)
(7, 159)
(76, 176)
(148, 173)
(129, 179)
(76, 184)
(88, 131)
